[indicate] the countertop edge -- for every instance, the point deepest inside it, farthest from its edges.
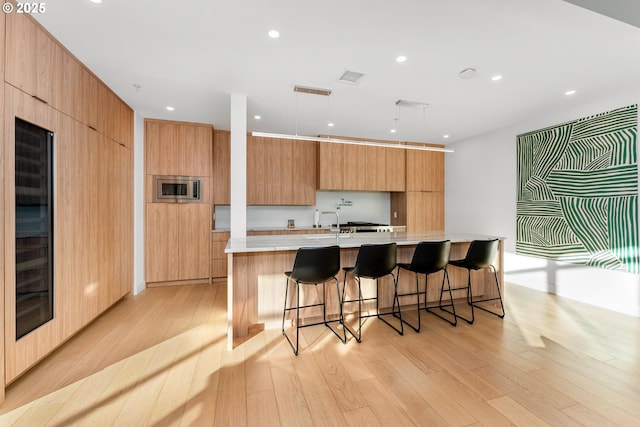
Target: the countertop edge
(276, 243)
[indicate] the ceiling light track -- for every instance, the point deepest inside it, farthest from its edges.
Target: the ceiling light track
(411, 104)
(353, 142)
(312, 90)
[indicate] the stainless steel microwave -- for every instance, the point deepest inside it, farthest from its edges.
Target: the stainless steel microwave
(176, 189)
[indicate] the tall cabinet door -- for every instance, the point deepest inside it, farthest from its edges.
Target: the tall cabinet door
(194, 238)
(161, 226)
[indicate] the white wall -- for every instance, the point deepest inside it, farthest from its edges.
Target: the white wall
(480, 197)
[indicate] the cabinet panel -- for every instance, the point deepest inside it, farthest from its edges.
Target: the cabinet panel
(425, 170)
(163, 152)
(218, 257)
(395, 165)
(74, 224)
(193, 245)
(175, 148)
(198, 141)
(21, 48)
(257, 168)
(161, 237)
(221, 168)
(304, 172)
(3, 249)
(425, 211)
(73, 102)
(331, 165)
(360, 167)
(33, 59)
(280, 172)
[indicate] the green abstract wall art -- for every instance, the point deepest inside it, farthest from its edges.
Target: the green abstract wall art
(578, 192)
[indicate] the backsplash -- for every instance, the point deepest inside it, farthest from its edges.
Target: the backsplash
(371, 206)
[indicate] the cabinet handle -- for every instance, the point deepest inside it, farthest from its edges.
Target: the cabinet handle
(39, 99)
(91, 127)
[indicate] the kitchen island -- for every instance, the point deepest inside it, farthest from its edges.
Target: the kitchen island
(256, 280)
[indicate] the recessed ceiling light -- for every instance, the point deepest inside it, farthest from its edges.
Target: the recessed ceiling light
(401, 58)
(274, 34)
(570, 92)
(170, 108)
(496, 78)
(330, 125)
(96, 1)
(257, 117)
(392, 131)
(445, 136)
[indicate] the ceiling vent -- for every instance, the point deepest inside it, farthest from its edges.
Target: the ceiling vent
(312, 90)
(351, 77)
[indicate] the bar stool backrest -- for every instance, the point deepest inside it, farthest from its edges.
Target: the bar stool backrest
(316, 264)
(481, 254)
(375, 261)
(430, 257)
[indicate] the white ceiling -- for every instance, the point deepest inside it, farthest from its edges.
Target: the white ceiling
(193, 54)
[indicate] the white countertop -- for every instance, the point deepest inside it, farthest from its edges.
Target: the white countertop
(354, 240)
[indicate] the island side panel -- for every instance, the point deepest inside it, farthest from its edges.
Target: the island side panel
(256, 286)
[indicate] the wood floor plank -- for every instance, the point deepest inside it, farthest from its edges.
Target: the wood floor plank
(530, 398)
(292, 406)
(418, 396)
(383, 405)
(519, 415)
(231, 404)
(361, 417)
(262, 409)
(325, 410)
(477, 407)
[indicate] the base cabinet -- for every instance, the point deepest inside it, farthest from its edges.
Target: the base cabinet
(218, 257)
(177, 242)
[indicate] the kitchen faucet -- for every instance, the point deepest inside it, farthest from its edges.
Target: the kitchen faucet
(337, 214)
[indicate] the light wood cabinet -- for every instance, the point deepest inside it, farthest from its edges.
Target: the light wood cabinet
(360, 167)
(425, 170)
(221, 172)
(421, 207)
(280, 172)
(177, 148)
(177, 242)
(92, 228)
(3, 243)
(218, 257)
(93, 224)
(177, 235)
(39, 66)
(418, 210)
(33, 59)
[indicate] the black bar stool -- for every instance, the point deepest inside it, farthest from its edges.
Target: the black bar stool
(311, 267)
(428, 258)
(480, 255)
(373, 262)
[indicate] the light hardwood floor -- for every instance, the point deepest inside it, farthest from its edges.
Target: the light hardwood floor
(159, 359)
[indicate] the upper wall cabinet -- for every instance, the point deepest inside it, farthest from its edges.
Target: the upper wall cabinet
(280, 172)
(38, 65)
(425, 170)
(178, 148)
(359, 167)
(221, 167)
(36, 59)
